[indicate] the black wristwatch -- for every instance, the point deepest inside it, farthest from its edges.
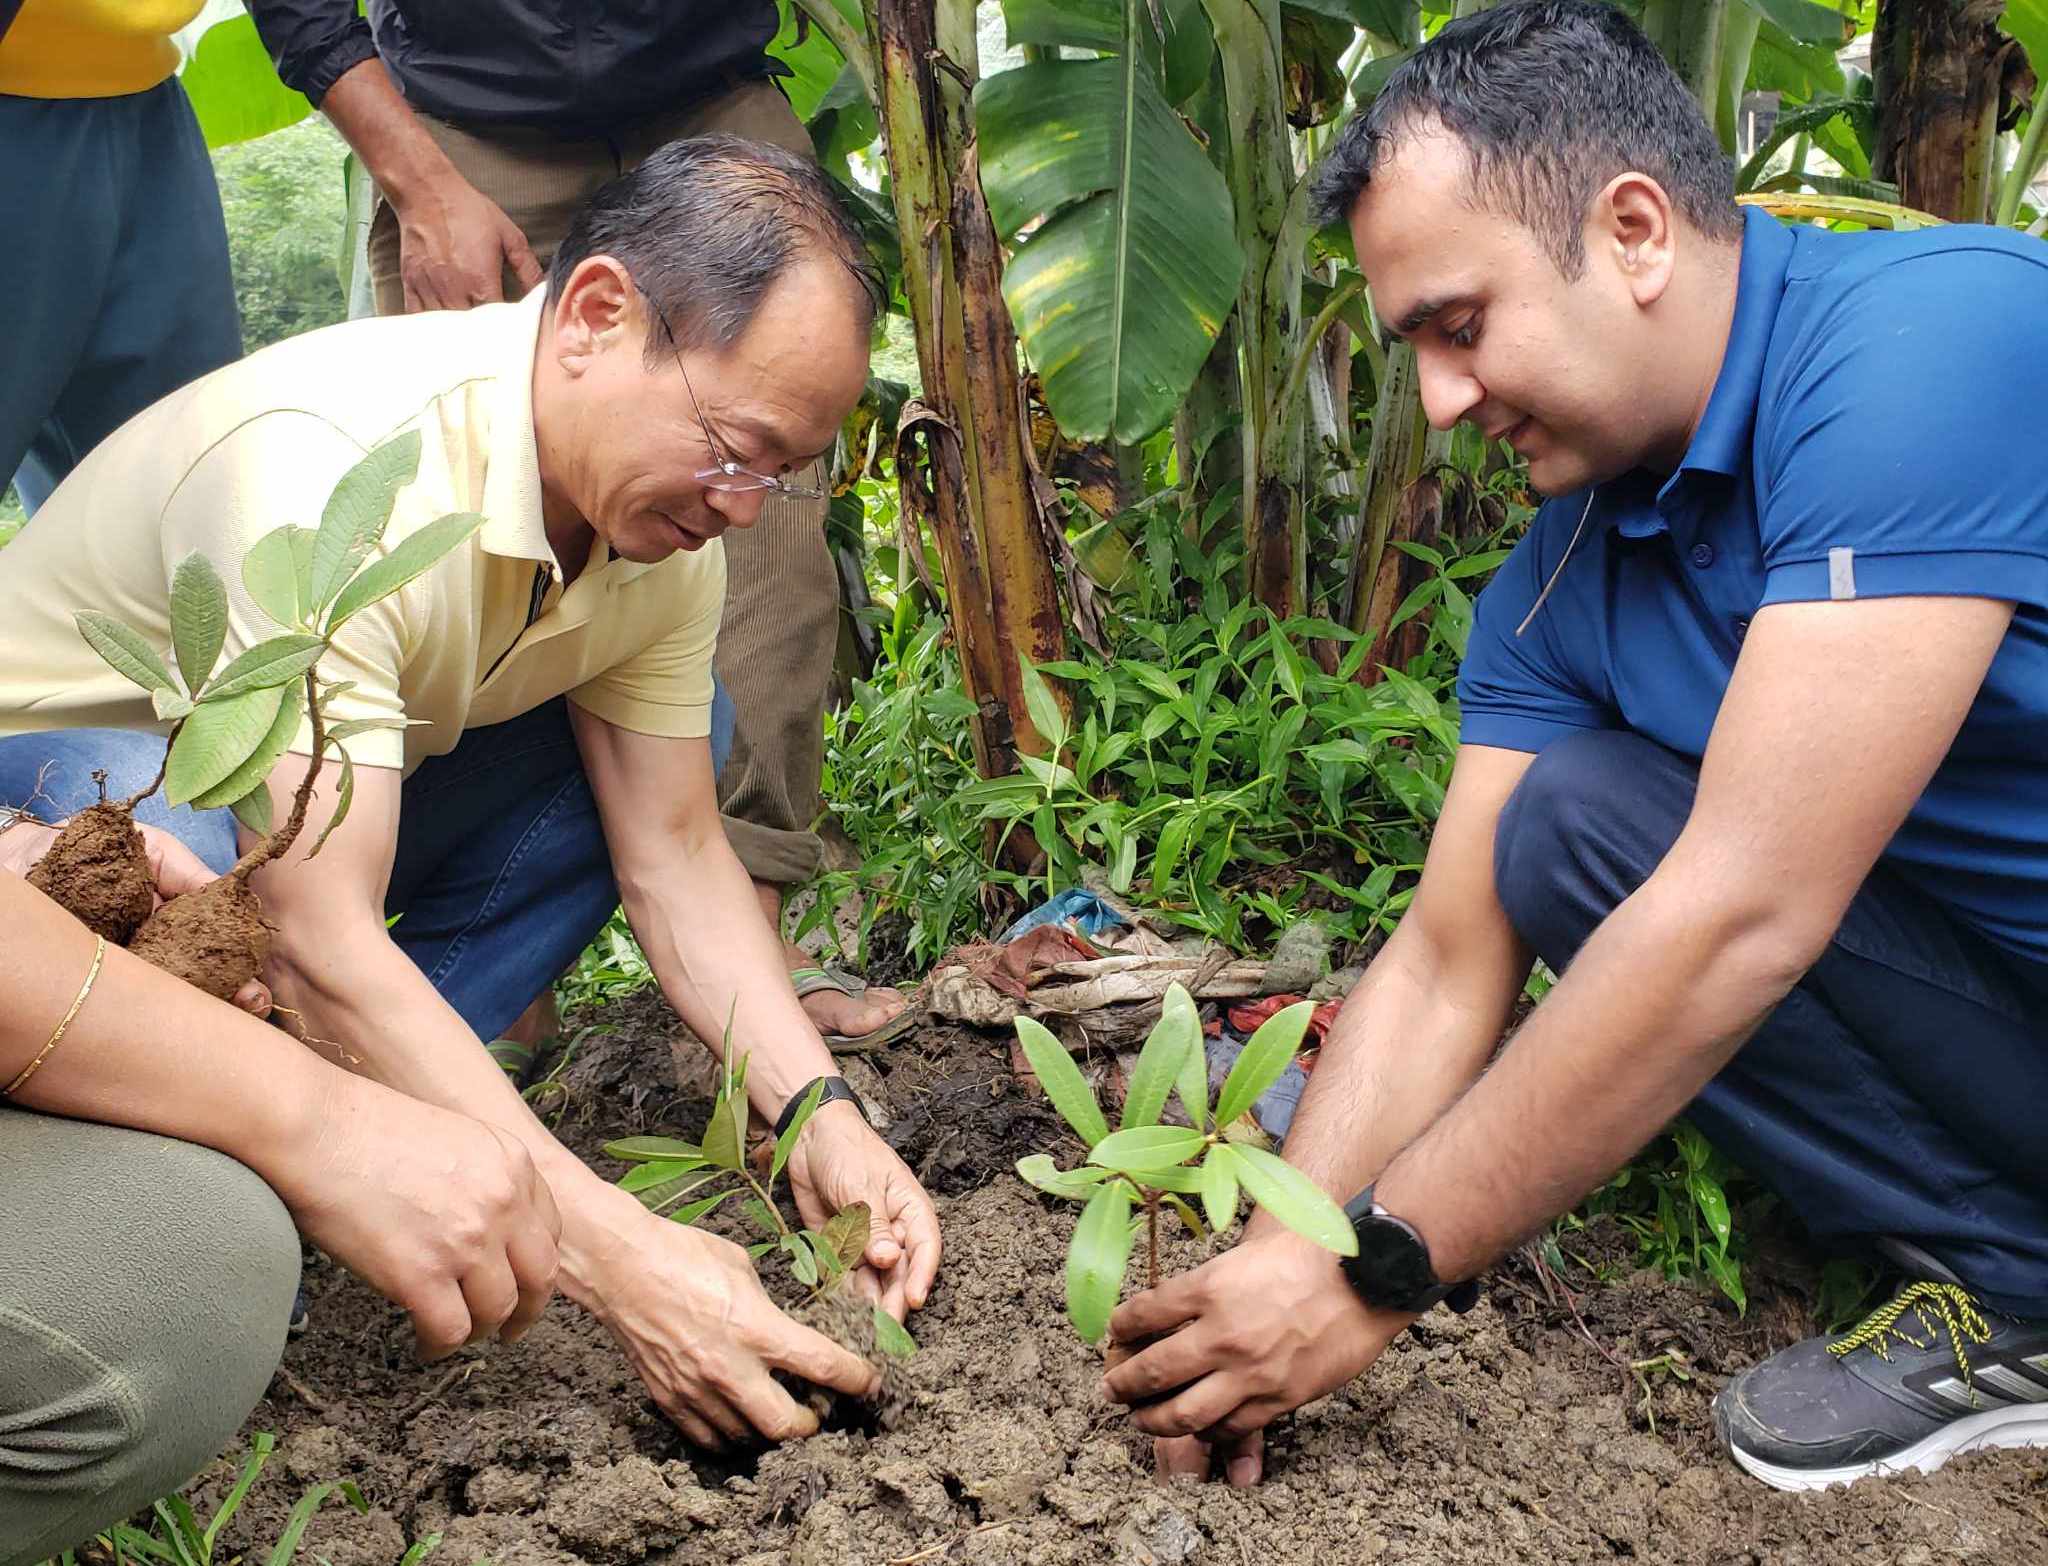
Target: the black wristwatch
(836, 1088)
(1392, 1269)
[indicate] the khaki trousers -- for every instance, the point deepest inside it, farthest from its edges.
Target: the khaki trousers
(781, 626)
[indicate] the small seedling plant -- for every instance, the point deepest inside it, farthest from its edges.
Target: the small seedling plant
(178, 1538)
(1144, 1167)
(691, 1180)
(231, 725)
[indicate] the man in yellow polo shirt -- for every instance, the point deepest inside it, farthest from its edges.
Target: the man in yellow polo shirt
(704, 332)
(114, 280)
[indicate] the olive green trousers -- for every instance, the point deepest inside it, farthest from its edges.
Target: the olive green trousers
(145, 1287)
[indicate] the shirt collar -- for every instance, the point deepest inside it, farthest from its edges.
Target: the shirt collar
(1721, 443)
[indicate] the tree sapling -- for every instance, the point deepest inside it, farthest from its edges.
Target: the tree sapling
(1150, 1166)
(231, 726)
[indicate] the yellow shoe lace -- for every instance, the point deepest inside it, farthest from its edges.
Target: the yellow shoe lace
(1938, 1307)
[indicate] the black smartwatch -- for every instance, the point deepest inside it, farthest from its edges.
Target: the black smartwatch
(1392, 1269)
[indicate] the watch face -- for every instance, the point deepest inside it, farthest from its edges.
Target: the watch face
(1392, 1267)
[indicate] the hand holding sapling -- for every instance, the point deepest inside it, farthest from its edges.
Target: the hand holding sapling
(1151, 1166)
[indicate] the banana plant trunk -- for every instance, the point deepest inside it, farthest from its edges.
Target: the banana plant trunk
(1399, 507)
(963, 458)
(1936, 67)
(1272, 230)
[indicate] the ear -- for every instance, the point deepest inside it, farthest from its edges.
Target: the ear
(1633, 229)
(597, 311)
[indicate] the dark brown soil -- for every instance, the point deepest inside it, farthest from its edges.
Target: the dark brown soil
(1514, 1434)
(98, 870)
(214, 937)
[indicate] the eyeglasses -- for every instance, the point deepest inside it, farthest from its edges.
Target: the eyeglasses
(727, 475)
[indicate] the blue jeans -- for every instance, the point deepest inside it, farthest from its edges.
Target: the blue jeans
(501, 876)
(114, 278)
(1894, 1097)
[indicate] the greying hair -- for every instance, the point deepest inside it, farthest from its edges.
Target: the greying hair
(706, 226)
(1550, 99)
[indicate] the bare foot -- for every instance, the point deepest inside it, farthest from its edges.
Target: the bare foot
(832, 1011)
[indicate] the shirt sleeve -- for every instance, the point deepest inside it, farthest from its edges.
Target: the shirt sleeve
(313, 43)
(665, 688)
(1902, 454)
(1521, 692)
(254, 481)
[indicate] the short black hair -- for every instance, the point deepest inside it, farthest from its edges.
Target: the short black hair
(706, 226)
(1551, 99)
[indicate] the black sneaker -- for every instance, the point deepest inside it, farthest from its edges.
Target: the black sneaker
(1927, 1376)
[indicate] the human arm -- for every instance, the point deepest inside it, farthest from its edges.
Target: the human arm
(1837, 716)
(685, 1305)
(1415, 1031)
(363, 1172)
(693, 908)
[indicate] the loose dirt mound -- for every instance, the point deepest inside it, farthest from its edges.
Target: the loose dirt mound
(1505, 1436)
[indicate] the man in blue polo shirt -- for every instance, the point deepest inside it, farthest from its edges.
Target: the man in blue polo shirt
(1756, 755)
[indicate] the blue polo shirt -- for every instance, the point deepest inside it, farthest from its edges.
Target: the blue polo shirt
(1879, 428)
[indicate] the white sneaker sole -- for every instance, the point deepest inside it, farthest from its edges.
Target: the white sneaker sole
(2022, 1425)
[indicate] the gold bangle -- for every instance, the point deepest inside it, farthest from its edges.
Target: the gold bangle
(99, 953)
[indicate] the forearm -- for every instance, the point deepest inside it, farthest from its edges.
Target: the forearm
(716, 957)
(1655, 1004)
(146, 1050)
(1412, 1036)
(405, 161)
(351, 983)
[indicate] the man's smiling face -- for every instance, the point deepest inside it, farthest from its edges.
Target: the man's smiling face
(1503, 340)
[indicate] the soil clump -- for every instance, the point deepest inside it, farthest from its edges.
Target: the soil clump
(214, 938)
(97, 870)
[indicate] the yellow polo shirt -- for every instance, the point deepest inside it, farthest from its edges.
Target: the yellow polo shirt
(487, 634)
(91, 48)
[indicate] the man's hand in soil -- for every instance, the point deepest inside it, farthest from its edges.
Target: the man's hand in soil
(173, 866)
(703, 1335)
(443, 1215)
(839, 1161)
(1257, 1332)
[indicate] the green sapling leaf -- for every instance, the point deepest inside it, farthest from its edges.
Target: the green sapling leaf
(278, 661)
(1096, 1258)
(124, 650)
(1186, 1214)
(169, 705)
(344, 796)
(1291, 1196)
(254, 812)
(635, 1149)
(413, 556)
(698, 1208)
(785, 1144)
(199, 619)
(1062, 1081)
(356, 514)
(1160, 1062)
(846, 1234)
(302, 1514)
(890, 1337)
(1192, 1084)
(252, 776)
(801, 1261)
(1040, 1171)
(1219, 1191)
(270, 572)
(660, 1171)
(1265, 1057)
(1145, 1149)
(261, 1445)
(216, 740)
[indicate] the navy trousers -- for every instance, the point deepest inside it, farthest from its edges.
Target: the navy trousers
(501, 877)
(114, 280)
(1897, 1097)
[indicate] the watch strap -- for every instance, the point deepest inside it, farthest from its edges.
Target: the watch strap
(836, 1089)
